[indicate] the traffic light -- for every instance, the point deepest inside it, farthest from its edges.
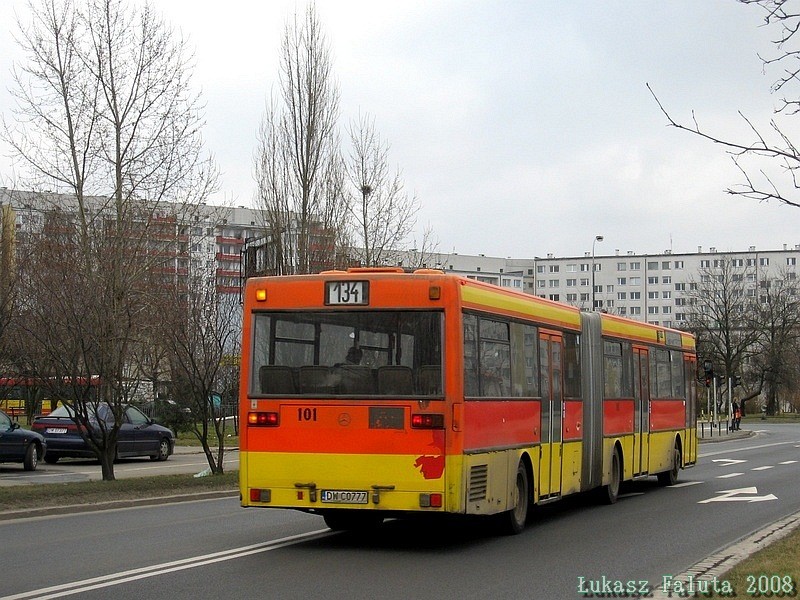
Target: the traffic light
(708, 367)
(737, 380)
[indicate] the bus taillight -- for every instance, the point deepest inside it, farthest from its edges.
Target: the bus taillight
(263, 419)
(257, 495)
(427, 421)
(430, 501)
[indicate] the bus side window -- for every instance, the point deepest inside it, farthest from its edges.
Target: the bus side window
(276, 380)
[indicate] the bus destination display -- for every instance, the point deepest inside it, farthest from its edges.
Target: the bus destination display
(347, 292)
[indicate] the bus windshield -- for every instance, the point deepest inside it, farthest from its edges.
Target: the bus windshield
(353, 353)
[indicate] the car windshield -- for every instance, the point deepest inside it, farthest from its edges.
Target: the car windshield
(5, 421)
(347, 353)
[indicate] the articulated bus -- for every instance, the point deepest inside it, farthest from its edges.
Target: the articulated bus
(375, 393)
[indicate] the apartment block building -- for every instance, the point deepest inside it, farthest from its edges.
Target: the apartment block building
(202, 243)
(654, 287)
(649, 287)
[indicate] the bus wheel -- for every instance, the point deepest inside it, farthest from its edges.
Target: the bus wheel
(513, 521)
(610, 492)
(671, 477)
(352, 520)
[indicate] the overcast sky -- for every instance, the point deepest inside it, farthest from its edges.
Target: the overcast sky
(524, 128)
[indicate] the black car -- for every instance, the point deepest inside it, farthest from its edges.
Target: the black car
(138, 435)
(20, 445)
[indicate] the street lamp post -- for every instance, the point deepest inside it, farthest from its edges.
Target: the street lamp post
(597, 238)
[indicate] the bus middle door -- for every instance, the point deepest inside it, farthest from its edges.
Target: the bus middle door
(641, 410)
(552, 411)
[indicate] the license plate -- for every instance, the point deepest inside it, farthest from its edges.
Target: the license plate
(56, 430)
(343, 497)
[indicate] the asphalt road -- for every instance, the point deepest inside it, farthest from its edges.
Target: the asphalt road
(214, 548)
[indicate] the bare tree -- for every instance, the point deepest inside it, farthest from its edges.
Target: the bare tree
(7, 286)
(105, 112)
(719, 314)
(776, 319)
(201, 329)
(297, 164)
(384, 214)
(770, 161)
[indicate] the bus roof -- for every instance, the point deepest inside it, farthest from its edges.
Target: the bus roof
(479, 296)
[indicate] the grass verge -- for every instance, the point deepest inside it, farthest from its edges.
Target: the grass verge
(92, 492)
(773, 572)
(185, 438)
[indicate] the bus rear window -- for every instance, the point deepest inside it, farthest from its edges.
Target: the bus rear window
(353, 353)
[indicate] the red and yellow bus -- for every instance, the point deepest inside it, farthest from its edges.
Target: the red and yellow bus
(22, 396)
(376, 393)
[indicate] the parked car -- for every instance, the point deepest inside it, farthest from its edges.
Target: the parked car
(20, 445)
(138, 435)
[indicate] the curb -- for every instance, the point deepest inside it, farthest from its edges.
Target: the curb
(26, 513)
(711, 568)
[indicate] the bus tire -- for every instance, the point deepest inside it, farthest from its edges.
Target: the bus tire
(513, 521)
(352, 520)
(610, 492)
(671, 477)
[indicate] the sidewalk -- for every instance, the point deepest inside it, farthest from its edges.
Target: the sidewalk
(706, 433)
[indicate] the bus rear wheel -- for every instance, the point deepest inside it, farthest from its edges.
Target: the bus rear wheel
(671, 477)
(352, 520)
(610, 492)
(513, 521)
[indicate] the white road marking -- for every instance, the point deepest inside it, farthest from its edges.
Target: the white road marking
(764, 468)
(746, 448)
(787, 462)
(739, 495)
(685, 484)
(727, 461)
(729, 475)
(78, 587)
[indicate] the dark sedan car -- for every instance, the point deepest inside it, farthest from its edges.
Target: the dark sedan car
(138, 435)
(20, 445)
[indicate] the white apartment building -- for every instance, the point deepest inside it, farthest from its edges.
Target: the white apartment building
(652, 287)
(645, 287)
(514, 273)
